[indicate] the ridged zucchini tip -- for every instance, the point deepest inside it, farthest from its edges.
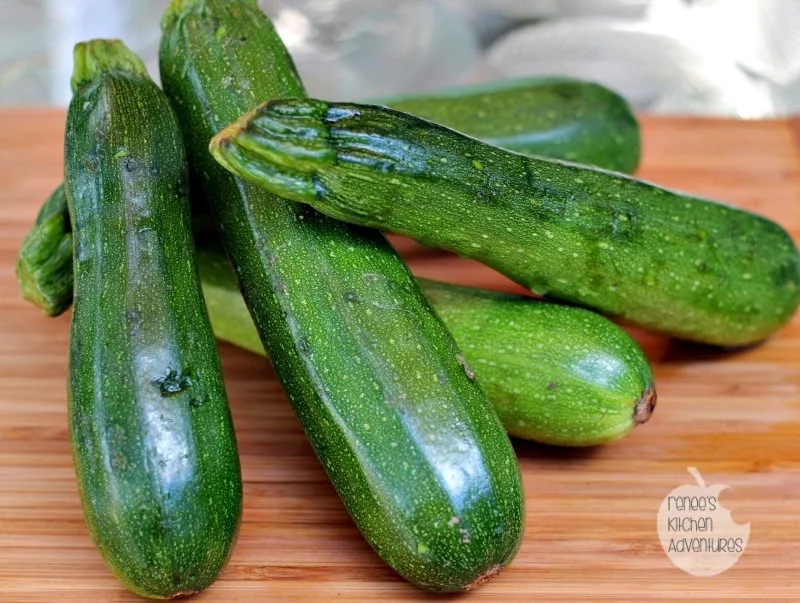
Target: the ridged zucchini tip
(229, 133)
(99, 56)
(286, 138)
(44, 263)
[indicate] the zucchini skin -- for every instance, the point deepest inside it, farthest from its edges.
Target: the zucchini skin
(556, 117)
(408, 439)
(666, 261)
(152, 437)
(555, 374)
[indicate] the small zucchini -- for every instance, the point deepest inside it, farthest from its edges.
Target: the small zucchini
(556, 117)
(44, 263)
(152, 437)
(666, 261)
(408, 438)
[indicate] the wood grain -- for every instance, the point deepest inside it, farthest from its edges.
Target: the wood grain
(591, 513)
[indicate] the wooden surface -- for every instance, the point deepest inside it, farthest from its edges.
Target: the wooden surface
(591, 514)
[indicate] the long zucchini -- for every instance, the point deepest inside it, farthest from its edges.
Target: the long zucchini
(152, 437)
(407, 437)
(44, 263)
(666, 261)
(556, 117)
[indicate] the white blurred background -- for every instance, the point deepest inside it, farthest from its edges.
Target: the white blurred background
(713, 57)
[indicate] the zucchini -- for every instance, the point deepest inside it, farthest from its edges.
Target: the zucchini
(407, 437)
(152, 437)
(591, 389)
(555, 374)
(44, 263)
(556, 117)
(663, 260)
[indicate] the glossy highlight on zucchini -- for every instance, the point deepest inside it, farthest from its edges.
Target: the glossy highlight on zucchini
(666, 261)
(152, 437)
(406, 435)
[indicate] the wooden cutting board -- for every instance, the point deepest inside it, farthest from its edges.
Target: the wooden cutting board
(591, 513)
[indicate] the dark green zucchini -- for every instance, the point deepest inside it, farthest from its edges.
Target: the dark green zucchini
(666, 261)
(407, 437)
(556, 117)
(152, 437)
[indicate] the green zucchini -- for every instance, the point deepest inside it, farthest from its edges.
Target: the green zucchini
(44, 263)
(407, 437)
(555, 374)
(152, 437)
(666, 261)
(554, 117)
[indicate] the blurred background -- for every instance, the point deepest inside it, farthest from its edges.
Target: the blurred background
(714, 57)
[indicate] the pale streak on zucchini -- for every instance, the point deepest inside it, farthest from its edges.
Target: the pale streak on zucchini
(663, 260)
